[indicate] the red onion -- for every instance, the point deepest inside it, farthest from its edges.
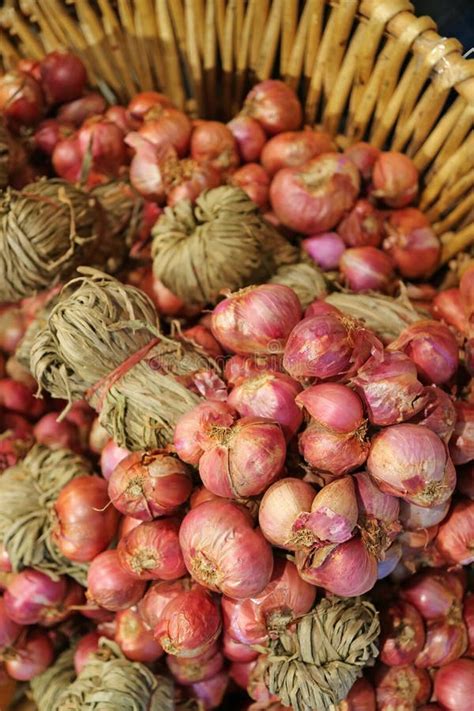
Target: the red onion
(30, 658)
(98, 437)
(13, 447)
(192, 427)
(239, 368)
(466, 287)
(86, 522)
(390, 388)
(202, 337)
(189, 624)
(103, 141)
(314, 197)
(86, 646)
(412, 462)
(21, 99)
(345, 569)
(9, 630)
(67, 159)
(254, 181)
(282, 503)
(435, 594)
(325, 250)
(236, 651)
(127, 524)
(403, 634)
(360, 698)
(415, 517)
(149, 484)
(421, 538)
(151, 551)
(446, 640)
(78, 111)
(56, 435)
(438, 414)
(249, 135)
(134, 639)
(454, 685)
(167, 126)
(294, 148)
(157, 597)
(448, 306)
(223, 552)
(395, 179)
(363, 155)
(148, 166)
(29, 66)
(270, 395)
(12, 327)
(244, 459)
(110, 456)
(145, 101)
(188, 179)
(391, 560)
(33, 597)
(363, 226)
(188, 671)
(257, 319)
(121, 117)
(19, 398)
(333, 452)
(63, 77)
(49, 133)
(433, 349)
(366, 268)
(275, 106)
(461, 445)
(283, 600)
(212, 142)
(411, 242)
(402, 688)
(109, 586)
(211, 692)
(455, 539)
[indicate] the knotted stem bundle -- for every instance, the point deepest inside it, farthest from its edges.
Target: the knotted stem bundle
(48, 687)
(28, 491)
(102, 343)
(306, 280)
(221, 242)
(315, 666)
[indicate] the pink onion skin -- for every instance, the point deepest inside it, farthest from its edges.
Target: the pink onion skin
(145, 101)
(395, 179)
(334, 406)
(392, 558)
(402, 688)
(282, 503)
(211, 692)
(433, 349)
(461, 445)
(415, 517)
(19, 398)
(192, 428)
(363, 155)
(466, 287)
(104, 142)
(411, 243)
(438, 414)
(213, 142)
(200, 496)
(256, 320)
(411, 462)
(190, 671)
(134, 639)
(446, 640)
(167, 126)
(366, 269)
(63, 77)
(360, 698)
(158, 595)
(188, 179)
(271, 396)
(373, 503)
(110, 456)
(77, 111)
(333, 517)
(67, 159)
(223, 552)
(434, 593)
(390, 388)
(189, 625)
(32, 596)
(448, 306)
(151, 551)
(286, 597)
(237, 651)
(325, 249)
(86, 646)
(57, 435)
(403, 634)
(468, 616)
(294, 148)
(249, 135)
(347, 569)
(362, 227)
(454, 685)
(109, 586)
(455, 539)
(9, 630)
(30, 658)
(238, 367)
(49, 133)
(275, 106)
(254, 181)
(313, 198)
(331, 452)
(319, 308)
(21, 99)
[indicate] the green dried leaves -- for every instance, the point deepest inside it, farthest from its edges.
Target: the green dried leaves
(48, 687)
(306, 280)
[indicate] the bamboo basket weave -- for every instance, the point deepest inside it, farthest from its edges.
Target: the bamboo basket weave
(365, 70)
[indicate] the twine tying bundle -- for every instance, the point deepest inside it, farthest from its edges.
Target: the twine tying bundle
(102, 343)
(316, 666)
(48, 687)
(222, 242)
(28, 491)
(306, 280)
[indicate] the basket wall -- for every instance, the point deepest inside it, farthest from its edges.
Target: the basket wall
(367, 70)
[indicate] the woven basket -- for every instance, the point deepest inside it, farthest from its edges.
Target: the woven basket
(367, 70)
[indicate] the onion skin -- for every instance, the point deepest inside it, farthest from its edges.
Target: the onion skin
(32, 597)
(364, 156)
(412, 462)
(31, 658)
(110, 456)
(109, 586)
(362, 226)
(275, 106)
(145, 101)
(76, 112)
(333, 516)
(67, 159)
(9, 630)
(158, 595)
(366, 268)
(294, 148)
(282, 503)
(213, 142)
(192, 428)
(461, 445)
(439, 413)
(446, 640)
(313, 198)
(237, 651)
(86, 646)
(222, 551)
(63, 77)
(395, 179)
(167, 126)
(249, 135)
(415, 517)
(254, 181)
(21, 99)
(360, 698)
(151, 551)
(325, 250)
(448, 306)
(238, 368)
(411, 243)
(190, 671)
(332, 452)
(435, 594)
(134, 639)
(211, 692)
(455, 539)
(468, 615)
(403, 634)
(433, 349)
(454, 685)
(401, 688)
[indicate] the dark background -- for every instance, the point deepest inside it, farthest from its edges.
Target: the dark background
(455, 18)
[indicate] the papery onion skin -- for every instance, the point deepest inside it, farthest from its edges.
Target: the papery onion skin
(31, 658)
(434, 593)
(238, 368)
(325, 249)
(348, 569)
(332, 452)
(454, 685)
(362, 226)
(109, 586)
(103, 141)
(334, 406)
(9, 629)
(272, 396)
(63, 77)
(194, 425)
(293, 148)
(282, 503)
(110, 456)
(86, 646)
(446, 640)
(67, 159)
(145, 101)
(363, 155)
(21, 99)
(190, 671)
(395, 179)
(378, 515)
(254, 181)
(167, 126)
(360, 698)
(455, 539)
(32, 596)
(237, 651)
(76, 112)
(275, 106)
(438, 414)
(415, 517)
(433, 349)
(366, 269)
(86, 521)
(402, 688)
(256, 320)
(158, 595)
(333, 517)
(223, 552)
(211, 692)
(403, 634)
(189, 625)
(461, 445)
(213, 142)
(411, 243)
(412, 462)
(151, 551)
(49, 133)
(313, 198)
(448, 306)
(249, 135)
(468, 616)
(134, 639)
